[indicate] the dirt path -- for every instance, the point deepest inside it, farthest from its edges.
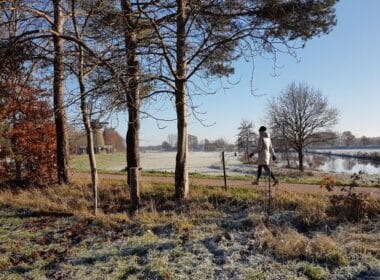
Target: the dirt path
(301, 188)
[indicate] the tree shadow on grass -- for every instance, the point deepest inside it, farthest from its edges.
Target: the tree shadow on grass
(23, 213)
(18, 269)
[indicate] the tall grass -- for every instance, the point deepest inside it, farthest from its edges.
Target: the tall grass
(114, 199)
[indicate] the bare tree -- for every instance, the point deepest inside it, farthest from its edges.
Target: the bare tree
(348, 138)
(193, 142)
(365, 141)
(246, 137)
(206, 36)
(86, 116)
(172, 139)
(130, 28)
(299, 114)
(59, 96)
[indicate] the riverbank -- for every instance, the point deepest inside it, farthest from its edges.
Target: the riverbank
(371, 156)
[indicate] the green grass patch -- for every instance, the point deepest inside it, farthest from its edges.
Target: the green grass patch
(314, 272)
(105, 162)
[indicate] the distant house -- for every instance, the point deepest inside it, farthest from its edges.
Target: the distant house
(106, 140)
(112, 137)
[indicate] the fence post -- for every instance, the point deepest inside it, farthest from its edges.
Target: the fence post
(224, 172)
(269, 210)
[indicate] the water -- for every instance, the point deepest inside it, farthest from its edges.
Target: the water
(338, 164)
(210, 163)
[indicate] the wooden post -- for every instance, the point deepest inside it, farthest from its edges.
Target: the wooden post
(269, 210)
(224, 172)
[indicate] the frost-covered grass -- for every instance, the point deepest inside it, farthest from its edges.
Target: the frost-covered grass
(206, 165)
(51, 234)
(199, 162)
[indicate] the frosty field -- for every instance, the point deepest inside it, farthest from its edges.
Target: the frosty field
(199, 162)
(211, 163)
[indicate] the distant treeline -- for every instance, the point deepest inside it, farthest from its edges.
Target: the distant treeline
(346, 140)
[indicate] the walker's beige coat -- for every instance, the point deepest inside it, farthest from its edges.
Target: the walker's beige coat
(264, 148)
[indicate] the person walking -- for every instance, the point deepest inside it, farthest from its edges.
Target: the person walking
(266, 154)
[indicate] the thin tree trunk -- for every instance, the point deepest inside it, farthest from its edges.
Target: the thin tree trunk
(181, 171)
(247, 153)
(300, 159)
(287, 155)
(89, 133)
(59, 93)
(86, 115)
(133, 103)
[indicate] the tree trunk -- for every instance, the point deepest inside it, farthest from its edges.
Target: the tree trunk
(133, 103)
(89, 134)
(287, 157)
(181, 172)
(300, 159)
(59, 93)
(247, 153)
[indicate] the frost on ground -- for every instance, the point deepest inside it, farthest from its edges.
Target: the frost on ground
(228, 244)
(50, 233)
(211, 163)
(199, 162)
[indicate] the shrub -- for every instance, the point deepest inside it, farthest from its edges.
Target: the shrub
(323, 249)
(312, 208)
(287, 243)
(351, 206)
(284, 244)
(27, 136)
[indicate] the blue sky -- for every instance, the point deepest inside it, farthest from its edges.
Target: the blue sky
(344, 65)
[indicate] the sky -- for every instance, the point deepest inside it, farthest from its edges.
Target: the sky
(344, 65)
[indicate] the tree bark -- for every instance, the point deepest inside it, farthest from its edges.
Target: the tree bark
(287, 156)
(59, 93)
(133, 103)
(300, 159)
(86, 118)
(89, 133)
(181, 171)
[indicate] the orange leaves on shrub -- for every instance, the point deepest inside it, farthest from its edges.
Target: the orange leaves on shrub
(328, 182)
(352, 206)
(27, 133)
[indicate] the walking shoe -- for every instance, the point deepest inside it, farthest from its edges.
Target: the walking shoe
(276, 182)
(256, 182)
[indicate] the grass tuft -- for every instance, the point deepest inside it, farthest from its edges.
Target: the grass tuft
(314, 272)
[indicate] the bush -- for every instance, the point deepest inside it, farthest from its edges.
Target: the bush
(323, 249)
(284, 244)
(287, 243)
(351, 206)
(27, 136)
(312, 208)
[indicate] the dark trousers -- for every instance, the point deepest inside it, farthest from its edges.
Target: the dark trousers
(267, 169)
